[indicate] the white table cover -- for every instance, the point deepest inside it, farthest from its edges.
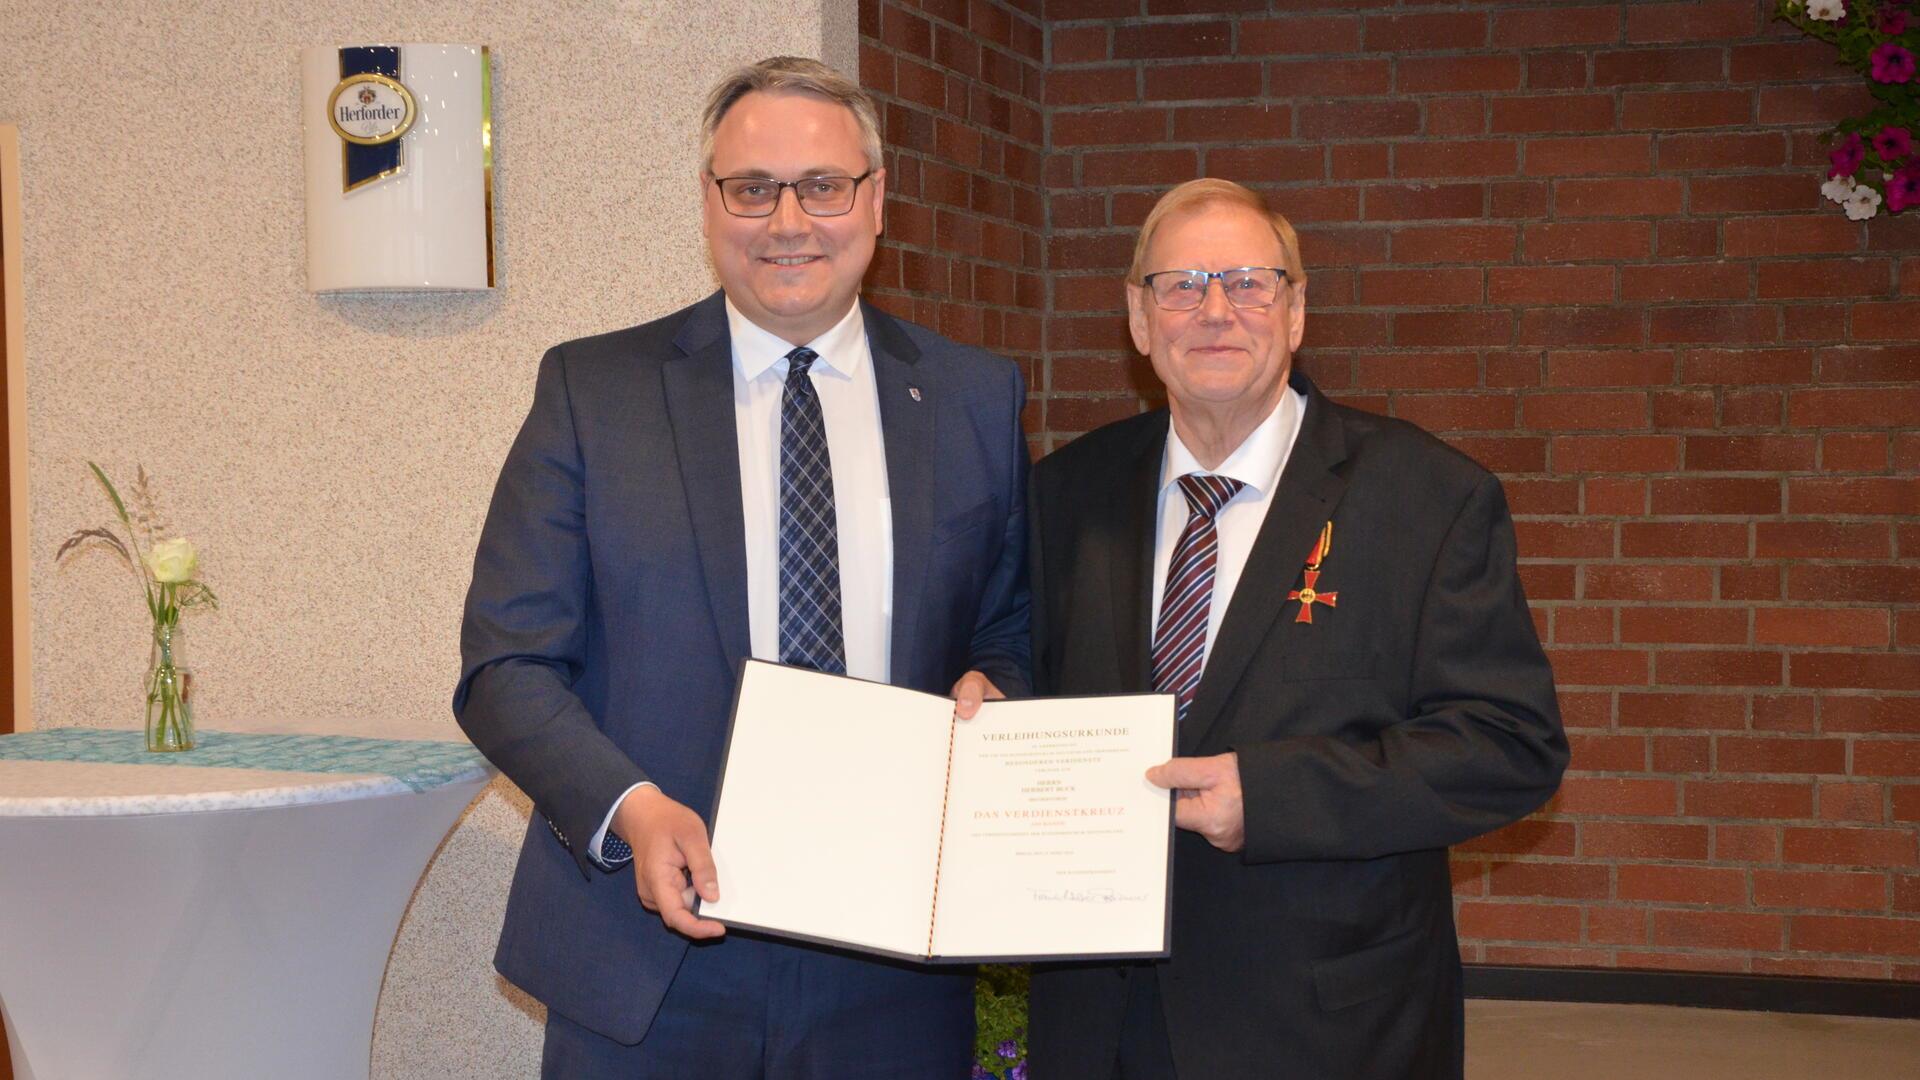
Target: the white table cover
(172, 920)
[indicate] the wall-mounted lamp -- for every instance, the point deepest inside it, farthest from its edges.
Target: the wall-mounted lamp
(399, 153)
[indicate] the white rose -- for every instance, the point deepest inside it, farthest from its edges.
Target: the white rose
(171, 561)
(1838, 188)
(1862, 204)
(1826, 10)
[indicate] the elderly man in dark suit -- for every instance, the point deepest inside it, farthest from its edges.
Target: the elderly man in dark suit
(1332, 598)
(779, 471)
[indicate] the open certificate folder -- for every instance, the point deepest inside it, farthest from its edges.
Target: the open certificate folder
(865, 816)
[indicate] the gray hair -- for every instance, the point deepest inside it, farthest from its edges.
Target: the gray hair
(791, 75)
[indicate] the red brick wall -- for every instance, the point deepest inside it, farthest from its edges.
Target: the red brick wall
(1584, 243)
(959, 85)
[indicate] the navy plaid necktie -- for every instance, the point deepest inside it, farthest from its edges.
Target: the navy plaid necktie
(809, 539)
(1180, 642)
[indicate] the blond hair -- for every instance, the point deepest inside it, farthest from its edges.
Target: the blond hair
(1195, 194)
(790, 75)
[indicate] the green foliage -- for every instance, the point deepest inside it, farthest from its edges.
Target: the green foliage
(1859, 160)
(144, 527)
(1000, 1015)
(119, 507)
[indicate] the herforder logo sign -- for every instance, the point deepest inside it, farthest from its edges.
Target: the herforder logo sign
(370, 109)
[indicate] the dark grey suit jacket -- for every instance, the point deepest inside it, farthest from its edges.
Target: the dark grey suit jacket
(1418, 712)
(608, 612)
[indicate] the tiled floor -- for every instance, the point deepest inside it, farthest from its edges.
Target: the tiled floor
(1529, 1040)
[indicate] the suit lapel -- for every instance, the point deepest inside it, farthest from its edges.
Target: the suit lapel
(1309, 490)
(699, 394)
(1129, 520)
(907, 408)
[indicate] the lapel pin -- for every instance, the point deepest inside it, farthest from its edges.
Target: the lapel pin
(913, 392)
(1308, 595)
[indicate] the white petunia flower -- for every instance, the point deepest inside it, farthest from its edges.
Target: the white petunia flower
(1838, 188)
(1826, 10)
(1862, 204)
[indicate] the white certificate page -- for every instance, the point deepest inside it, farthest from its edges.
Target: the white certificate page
(828, 823)
(1055, 843)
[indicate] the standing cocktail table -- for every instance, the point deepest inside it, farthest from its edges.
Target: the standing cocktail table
(225, 912)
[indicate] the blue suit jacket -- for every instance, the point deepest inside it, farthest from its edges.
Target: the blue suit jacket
(608, 612)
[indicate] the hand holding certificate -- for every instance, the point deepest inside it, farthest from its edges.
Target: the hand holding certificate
(865, 816)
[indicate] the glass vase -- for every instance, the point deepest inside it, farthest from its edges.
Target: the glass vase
(169, 689)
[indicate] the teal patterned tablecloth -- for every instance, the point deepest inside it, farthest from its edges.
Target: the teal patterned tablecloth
(419, 764)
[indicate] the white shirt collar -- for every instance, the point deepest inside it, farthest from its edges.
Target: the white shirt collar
(842, 349)
(1255, 462)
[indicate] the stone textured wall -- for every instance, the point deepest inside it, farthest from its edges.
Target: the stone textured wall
(333, 456)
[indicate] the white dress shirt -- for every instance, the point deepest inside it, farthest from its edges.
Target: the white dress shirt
(1257, 462)
(850, 407)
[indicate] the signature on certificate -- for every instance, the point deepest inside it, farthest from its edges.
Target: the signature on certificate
(1101, 895)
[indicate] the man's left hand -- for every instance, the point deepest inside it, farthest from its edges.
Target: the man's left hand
(1206, 793)
(970, 691)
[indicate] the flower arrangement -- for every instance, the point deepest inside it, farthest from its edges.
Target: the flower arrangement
(165, 567)
(1000, 1023)
(1872, 161)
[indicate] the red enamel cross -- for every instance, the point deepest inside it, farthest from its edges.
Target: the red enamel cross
(1308, 595)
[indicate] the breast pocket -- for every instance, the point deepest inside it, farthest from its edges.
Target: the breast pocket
(977, 516)
(1303, 665)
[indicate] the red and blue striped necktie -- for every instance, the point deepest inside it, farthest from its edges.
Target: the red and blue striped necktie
(1180, 641)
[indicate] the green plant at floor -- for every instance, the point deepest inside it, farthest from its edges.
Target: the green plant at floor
(165, 568)
(1873, 159)
(1000, 1020)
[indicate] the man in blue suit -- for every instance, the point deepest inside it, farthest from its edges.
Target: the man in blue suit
(779, 471)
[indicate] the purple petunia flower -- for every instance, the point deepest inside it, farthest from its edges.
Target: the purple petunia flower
(1848, 156)
(1903, 189)
(1008, 1050)
(1893, 144)
(980, 1073)
(1891, 63)
(1893, 21)
(1019, 1072)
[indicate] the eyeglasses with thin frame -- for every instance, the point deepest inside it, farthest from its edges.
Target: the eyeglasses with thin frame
(1244, 286)
(759, 196)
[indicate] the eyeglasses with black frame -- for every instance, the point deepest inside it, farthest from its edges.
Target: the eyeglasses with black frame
(1244, 286)
(759, 196)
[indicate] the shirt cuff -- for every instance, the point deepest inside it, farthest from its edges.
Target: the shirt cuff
(606, 850)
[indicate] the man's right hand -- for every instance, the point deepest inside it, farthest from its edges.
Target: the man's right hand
(669, 843)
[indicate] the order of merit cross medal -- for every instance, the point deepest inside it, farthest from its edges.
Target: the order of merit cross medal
(1307, 594)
